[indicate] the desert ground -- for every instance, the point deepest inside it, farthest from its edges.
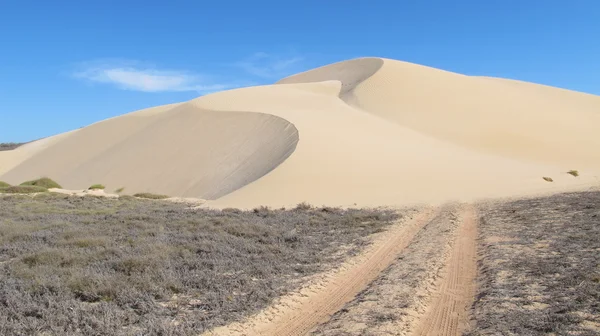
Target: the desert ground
(366, 197)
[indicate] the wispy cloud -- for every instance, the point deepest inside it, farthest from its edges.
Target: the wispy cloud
(270, 66)
(131, 75)
(137, 76)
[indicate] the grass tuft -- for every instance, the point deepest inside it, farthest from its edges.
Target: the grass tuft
(573, 172)
(4, 184)
(548, 179)
(44, 182)
(97, 187)
(150, 196)
(120, 190)
(27, 189)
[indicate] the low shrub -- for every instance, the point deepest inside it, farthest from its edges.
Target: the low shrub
(44, 182)
(4, 184)
(96, 187)
(150, 196)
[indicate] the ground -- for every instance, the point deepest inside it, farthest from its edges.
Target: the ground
(97, 266)
(511, 267)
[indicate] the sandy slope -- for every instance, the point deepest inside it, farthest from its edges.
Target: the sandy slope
(185, 152)
(367, 131)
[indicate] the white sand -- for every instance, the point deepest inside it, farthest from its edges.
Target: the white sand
(367, 132)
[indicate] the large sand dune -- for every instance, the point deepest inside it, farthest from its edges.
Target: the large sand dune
(367, 131)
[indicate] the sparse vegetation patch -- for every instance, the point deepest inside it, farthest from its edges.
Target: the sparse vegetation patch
(540, 267)
(26, 189)
(4, 184)
(548, 179)
(573, 172)
(96, 187)
(150, 196)
(9, 145)
(129, 266)
(44, 182)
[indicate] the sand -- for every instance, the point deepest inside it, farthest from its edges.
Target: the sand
(364, 132)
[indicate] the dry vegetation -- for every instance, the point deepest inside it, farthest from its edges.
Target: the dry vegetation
(127, 266)
(149, 195)
(5, 146)
(540, 271)
(26, 189)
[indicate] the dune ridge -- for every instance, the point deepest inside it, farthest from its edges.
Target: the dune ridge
(369, 131)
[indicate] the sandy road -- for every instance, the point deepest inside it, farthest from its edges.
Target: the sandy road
(309, 310)
(447, 313)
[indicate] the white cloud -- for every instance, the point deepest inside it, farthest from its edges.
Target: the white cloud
(135, 77)
(266, 65)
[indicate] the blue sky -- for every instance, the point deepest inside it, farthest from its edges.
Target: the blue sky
(65, 64)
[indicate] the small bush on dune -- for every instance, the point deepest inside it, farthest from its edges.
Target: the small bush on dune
(573, 172)
(4, 184)
(26, 189)
(150, 196)
(42, 182)
(548, 179)
(96, 187)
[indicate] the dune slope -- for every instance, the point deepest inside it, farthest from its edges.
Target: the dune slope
(514, 119)
(186, 152)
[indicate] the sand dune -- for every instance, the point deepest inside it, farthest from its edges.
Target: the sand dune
(367, 132)
(509, 118)
(187, 152)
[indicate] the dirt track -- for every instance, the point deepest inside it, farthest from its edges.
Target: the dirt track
(446, 307)
(448, 312)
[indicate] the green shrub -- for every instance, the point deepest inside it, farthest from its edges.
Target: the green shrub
(97, 187)
(548, 179)
(23, 189)
(150, 196)
(4, 184)
(42, 182)
(573, 172)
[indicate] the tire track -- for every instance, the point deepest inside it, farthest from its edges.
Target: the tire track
(318, 306)
(449, 308)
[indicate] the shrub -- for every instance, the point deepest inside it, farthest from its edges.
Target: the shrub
(97, 187)
(548, 179)
(573, 172)
(6, 146)
(150, 196)
(120, 190)
(42, 182)
(23, 189)
(4, 184)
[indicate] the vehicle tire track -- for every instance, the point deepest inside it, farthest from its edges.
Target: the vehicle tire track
(449, 307)
(340, 289)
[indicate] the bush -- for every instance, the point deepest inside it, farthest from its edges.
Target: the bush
(4, 184)
(97, 187)
(120, 190)
(573, 172)
(150, 196)
(42, 182)
(26, 189)
(548, 179)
